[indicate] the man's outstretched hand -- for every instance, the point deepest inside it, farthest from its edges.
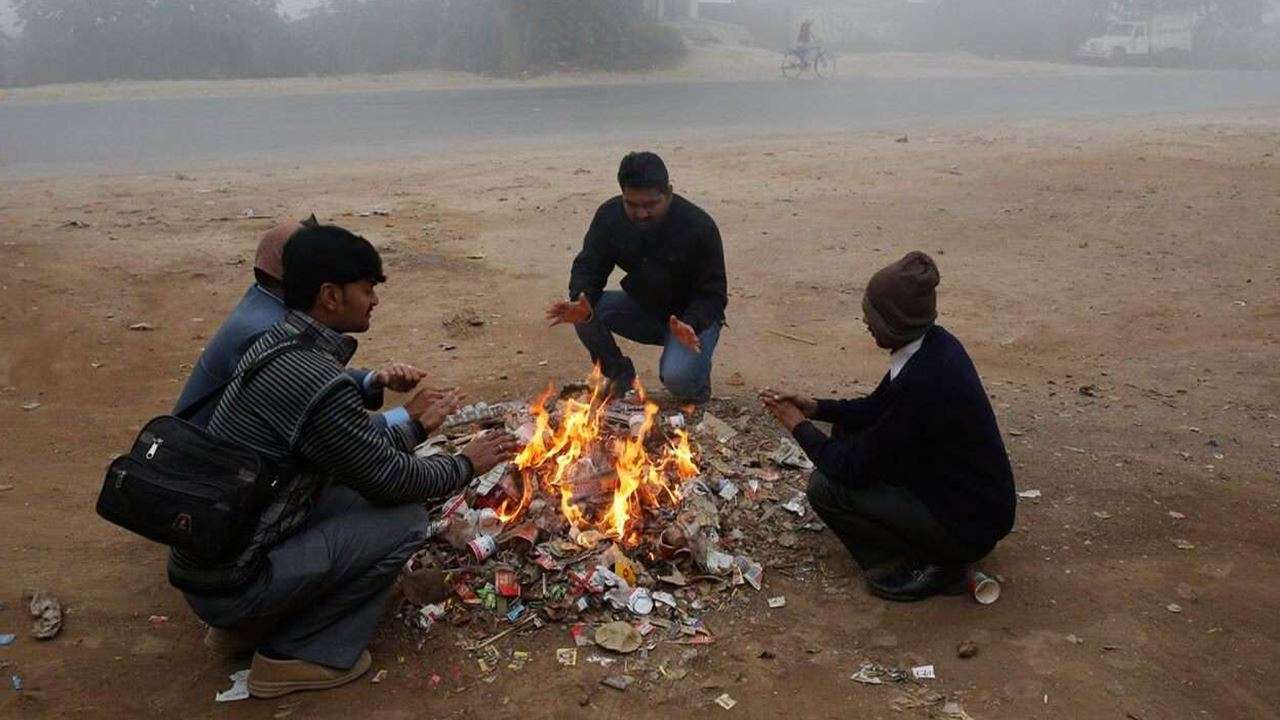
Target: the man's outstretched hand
(684, 333)
(430, 410)
(398, 377)
(807, 405)
(489, 449)
(574, 312)
(785, 412)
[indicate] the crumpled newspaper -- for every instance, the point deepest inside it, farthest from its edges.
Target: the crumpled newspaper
(47, 612)
(790, 455)
(871, 673)
(239, 689)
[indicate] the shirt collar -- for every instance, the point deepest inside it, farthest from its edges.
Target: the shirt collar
(327, 339)
(898, 358)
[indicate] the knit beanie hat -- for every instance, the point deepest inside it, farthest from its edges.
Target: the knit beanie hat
(900, 303)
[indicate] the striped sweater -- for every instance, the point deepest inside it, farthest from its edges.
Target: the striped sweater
(303, 408)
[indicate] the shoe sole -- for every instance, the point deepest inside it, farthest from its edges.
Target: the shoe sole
(949, 591)
(269, 690)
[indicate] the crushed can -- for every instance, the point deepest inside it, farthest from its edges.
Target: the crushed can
(482, 547)
(507, 583)
(639, 601)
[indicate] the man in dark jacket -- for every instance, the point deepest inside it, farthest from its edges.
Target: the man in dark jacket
(914, 479)
(674, 293)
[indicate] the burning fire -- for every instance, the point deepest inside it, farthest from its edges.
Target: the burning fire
(604, 483)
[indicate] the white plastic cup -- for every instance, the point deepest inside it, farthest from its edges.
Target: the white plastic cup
(984, 588)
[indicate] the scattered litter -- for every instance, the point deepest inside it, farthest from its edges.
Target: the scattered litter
(790, 455)
(617, 682)
(1176, 515)
(1183, 544)
(778, 602)
(567, 656)
(7, 639)
(1029, 494)
(875, 674)
(726, 702)
(379, 676)
(15, 681)
(142, 327)
(47, 612)
(32, 405)
(475, 256)
(1173, 608)
(954, 711)
(717, 428)
(923, 672)
(1102, 514)
(795, 505)
(158, 619)
(618, 636)
(1075, 639)
(239, 689)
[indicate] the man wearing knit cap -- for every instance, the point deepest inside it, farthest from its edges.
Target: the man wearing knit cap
(262, 307)
(914, 478)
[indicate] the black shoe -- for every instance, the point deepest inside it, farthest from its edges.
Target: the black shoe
(917, 582)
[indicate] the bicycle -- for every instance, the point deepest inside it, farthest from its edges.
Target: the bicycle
(795, 64)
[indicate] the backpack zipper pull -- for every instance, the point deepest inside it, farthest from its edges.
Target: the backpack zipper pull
(155, 445)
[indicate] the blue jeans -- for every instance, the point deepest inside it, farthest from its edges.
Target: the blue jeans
(685, 373)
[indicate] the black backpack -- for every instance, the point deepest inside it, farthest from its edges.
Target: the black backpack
(181, 486)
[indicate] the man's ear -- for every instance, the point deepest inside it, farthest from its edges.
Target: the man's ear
(329, 297)
(670, 189)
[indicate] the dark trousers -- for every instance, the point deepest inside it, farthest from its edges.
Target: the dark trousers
(883, 525)
(325, 588)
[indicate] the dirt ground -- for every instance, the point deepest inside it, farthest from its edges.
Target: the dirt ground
(1115, 281)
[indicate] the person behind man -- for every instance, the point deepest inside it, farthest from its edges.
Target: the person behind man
(674, 293)
(263, 306)
(914, 480)
(309, 589)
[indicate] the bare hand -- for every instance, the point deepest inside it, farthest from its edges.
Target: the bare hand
(424, 399)
(398, 377)
(490, 448)
(433, 416)
(684, 333)
(807, 405)
(574, 312)
(786, 413)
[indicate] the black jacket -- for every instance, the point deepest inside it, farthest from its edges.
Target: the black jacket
(675, 269)
(931, 431)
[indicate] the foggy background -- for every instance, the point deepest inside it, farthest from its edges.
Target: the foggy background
(51, 41)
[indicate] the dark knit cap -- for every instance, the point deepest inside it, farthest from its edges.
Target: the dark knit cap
(900, 303)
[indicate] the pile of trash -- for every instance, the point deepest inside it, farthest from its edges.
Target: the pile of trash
(505, 559)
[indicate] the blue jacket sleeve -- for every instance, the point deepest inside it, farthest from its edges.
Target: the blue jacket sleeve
(854, 415)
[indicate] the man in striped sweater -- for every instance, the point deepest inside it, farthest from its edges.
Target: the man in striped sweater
(308, 591)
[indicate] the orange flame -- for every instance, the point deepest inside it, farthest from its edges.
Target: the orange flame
(573, 457)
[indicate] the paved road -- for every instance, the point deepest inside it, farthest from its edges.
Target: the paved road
(174, 133)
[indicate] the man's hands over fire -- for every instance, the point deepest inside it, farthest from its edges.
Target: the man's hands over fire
(490, 448)
(398, 377)
(788, 409)
(574, 312)
(431, 406)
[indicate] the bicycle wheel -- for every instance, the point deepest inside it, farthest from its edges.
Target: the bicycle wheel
(792, 68)
(824, 65)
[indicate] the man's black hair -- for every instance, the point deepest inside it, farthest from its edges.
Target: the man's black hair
(326, 254)
(643, 171)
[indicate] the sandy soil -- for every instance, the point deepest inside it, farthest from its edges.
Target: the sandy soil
(1115, 282)
(704, 64)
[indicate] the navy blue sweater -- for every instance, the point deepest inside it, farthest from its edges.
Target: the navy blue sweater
(931, 431)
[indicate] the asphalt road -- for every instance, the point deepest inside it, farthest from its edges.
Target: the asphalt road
(38, 138)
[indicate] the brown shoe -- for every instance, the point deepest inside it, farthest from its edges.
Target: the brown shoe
(231, 643)
(272, 678)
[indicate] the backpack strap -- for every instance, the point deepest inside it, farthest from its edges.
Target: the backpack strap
(298, 342)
